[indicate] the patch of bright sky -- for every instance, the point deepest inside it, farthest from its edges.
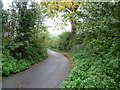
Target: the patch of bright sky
(50, 23)
(55, 26)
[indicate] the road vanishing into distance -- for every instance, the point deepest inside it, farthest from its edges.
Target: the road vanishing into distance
(49, 73)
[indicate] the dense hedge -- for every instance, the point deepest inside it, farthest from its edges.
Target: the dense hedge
(95, 47)
(26, 44)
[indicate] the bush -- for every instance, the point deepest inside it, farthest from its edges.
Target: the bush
(27, 43)
(93, 72)
(13, 65)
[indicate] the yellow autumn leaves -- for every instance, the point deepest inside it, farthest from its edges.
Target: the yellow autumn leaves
(61, 6)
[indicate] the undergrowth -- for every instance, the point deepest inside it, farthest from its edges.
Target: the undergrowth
(90, 71)
(12, 65)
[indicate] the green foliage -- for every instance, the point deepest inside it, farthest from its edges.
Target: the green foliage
(12, 65)
(95, 46)
(28, 43)
(64, 40)
(61, 42)
(93, 72)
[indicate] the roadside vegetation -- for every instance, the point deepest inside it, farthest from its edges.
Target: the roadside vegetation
(24, 37)
(94, 46)
(93, 43)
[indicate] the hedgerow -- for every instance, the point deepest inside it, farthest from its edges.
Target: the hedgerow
(24, 37)
(94, 46)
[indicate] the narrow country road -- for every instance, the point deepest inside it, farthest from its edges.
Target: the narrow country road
(46, 74)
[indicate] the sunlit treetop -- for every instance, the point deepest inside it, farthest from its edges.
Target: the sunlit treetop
(62, 6)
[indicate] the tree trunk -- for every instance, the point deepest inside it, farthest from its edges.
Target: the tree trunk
(73, 28)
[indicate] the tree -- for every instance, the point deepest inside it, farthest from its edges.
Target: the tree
(28, 45)
(28, 27)
(67, 8)
(1, 9)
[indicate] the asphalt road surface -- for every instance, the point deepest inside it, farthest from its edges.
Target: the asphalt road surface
(46, 74)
